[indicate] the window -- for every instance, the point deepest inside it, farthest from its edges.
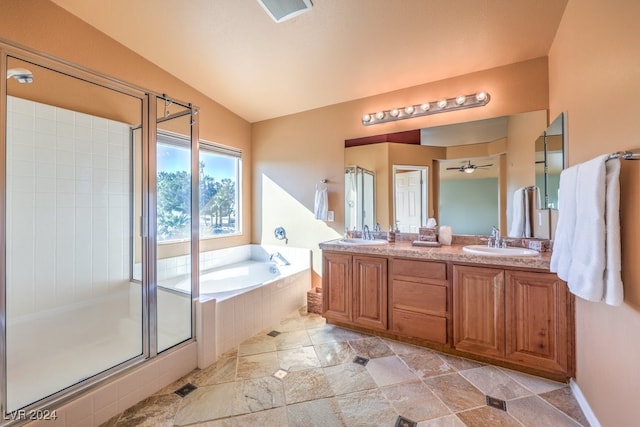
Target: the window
(219, 190)
(174, 188)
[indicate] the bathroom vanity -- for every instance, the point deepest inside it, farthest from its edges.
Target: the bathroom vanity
(508, 310)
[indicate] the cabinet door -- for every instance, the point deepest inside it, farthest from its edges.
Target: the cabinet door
(478, 310)
(370, 291)
(336, 286)
(537, 324)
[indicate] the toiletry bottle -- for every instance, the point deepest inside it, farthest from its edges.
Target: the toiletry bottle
(391, 235)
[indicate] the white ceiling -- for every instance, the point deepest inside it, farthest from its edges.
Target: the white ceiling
(341, 50)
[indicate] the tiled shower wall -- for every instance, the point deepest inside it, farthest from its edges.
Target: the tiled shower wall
(67, 207)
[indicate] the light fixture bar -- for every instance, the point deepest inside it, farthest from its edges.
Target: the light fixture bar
(434, 107)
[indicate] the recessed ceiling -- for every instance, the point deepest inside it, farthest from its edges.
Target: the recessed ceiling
(340, 50)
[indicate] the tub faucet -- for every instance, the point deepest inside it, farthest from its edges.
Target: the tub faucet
(278, 259)
(366, 234)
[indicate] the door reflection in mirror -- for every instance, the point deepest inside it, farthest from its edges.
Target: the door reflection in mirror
(410, 197)
(359, 194)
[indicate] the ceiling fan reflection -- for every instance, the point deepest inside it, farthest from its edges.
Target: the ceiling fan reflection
(469, 167)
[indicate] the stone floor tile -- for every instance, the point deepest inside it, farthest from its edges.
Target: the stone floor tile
(316, 413)
(158, 410)
(258, 394)
(302, 386)
(370, 347)
(532, 411)
(334, 353)
(389, 370)
(446, 421)
(426, 364)
(486, 416)
(563, 400)
(298, 359)
(256, 366)
(361, 408)
(207, 404)
(348, 378)
(456, 392)
(536, 384)
(415, 401)
(495, 383)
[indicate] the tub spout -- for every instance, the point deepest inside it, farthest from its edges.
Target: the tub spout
(278, 259)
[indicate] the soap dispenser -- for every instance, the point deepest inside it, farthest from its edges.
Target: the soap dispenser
(391, 235)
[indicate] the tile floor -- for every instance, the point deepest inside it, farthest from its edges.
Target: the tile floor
(306, 376)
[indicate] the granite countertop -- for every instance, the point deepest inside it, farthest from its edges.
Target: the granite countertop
(443, 253)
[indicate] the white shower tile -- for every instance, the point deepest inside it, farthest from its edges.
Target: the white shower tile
(45, 111)
(46, 155)
(44, 125)
(65, 157)
(65, 116)
(82, 120)
(65, 171)
(45, 185)
(100, 161)
(22, 121)
(83, 133)
(65, 186)
(43, 140)
(100, 143)
(21, 168)
(65, 200)
(65, 144)
(65, 131)
(22, 137)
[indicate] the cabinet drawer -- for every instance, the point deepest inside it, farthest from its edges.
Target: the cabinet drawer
(419, 325)
(420, 297)
(419, 270)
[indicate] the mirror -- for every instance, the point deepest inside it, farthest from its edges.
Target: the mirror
(359, 195)
(501, 152)
(549, 164)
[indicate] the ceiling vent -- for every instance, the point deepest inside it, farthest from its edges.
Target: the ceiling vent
(281, 10)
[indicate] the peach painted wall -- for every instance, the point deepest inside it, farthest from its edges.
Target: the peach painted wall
(293, 153)
(45, 27)
(594, 75)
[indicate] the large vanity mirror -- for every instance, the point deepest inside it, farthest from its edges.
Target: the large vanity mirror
(466, 175)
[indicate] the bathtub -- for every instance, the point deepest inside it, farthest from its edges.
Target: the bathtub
(242, 289)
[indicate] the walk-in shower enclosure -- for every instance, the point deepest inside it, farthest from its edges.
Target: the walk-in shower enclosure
(359, 198)
(78, 220)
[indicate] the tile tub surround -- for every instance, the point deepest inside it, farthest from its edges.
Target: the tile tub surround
(324, 387)
(442, 253)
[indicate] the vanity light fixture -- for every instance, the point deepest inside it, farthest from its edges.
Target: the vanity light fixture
(460, 102)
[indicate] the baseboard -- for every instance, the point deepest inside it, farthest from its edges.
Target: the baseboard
(584, 405)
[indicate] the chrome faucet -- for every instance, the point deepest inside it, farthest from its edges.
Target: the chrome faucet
(366, 234)
(498, 241)
(278, 259)
(377, 228)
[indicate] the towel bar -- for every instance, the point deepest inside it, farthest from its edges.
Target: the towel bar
(625, 155)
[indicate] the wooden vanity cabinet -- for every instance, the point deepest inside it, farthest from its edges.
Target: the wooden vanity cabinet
(336, 286)
(479, 310)
(517, 316)
(418, 300)
(538, 320)
(355, 289)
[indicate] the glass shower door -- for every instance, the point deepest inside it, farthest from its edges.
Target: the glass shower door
(72, 310)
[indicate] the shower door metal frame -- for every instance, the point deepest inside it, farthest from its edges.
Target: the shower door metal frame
(148, 169)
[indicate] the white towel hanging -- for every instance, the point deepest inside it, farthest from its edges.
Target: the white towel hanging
(321, 202)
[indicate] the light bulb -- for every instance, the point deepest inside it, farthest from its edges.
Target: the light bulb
(461, 99)
(366, 118)
(442, 103)
(409, 110)
(425, 106)
(481, 96)
(380, 115)
(394, 113)
(469, 170)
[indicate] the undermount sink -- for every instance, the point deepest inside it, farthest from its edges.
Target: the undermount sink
(490, 251)
(360, 242)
